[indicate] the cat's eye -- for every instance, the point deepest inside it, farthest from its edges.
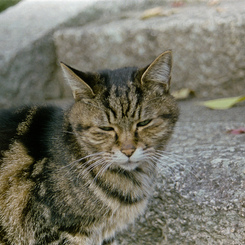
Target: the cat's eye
(143, 123)
(107, 128)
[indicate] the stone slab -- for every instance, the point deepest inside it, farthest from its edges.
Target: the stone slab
(27, 54)
(207, 43)
(199, 196)
(28, 60)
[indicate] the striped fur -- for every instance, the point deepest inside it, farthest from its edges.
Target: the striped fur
(79, 176)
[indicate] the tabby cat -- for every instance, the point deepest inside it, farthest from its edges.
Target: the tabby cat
(80, 175)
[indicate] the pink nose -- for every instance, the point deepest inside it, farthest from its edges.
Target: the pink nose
(128, 152)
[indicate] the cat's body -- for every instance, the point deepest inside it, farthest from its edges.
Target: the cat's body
(80, 175)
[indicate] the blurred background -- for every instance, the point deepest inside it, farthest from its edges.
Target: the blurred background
(206, 37)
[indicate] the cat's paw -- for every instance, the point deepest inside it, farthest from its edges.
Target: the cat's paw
(111, 241)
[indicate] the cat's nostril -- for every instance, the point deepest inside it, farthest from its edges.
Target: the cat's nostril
(128, 152)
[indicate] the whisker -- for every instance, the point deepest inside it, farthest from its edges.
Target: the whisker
(100, 163)
(91, 155)
(85, 172)
(95, 164)
(155, 162)
(104, 167)
(75, 167)
(155, 158)
(78, 167)
(172, 158)
(80, 159)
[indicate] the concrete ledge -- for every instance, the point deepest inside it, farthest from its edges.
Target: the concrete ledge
(199, 196)
(207, 43)
(28, 61)
(27, 55)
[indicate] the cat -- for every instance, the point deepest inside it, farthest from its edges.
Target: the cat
(82, 174)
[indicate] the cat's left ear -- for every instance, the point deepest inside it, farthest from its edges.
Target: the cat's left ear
(158, 73)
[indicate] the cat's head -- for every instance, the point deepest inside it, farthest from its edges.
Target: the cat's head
(127, 114)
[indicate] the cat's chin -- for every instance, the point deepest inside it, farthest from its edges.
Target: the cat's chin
(129, 165)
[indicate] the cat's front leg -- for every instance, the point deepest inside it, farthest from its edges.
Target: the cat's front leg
(111, 241)
(84, 240)
(77, 239)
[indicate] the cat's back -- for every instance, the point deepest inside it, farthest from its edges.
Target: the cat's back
(27, 125)
(9, 121)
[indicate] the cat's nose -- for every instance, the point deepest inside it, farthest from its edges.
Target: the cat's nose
(128, 152)
(128, 149)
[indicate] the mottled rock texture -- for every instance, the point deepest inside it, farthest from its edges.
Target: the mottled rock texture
(27, 54)
(207, 43)
(199, 196)
(206, 38)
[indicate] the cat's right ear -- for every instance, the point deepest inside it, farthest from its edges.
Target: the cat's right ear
(80, 89)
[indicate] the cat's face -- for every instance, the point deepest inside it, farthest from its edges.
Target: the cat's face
(127, 115)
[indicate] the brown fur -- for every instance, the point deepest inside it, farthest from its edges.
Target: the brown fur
(81, 175)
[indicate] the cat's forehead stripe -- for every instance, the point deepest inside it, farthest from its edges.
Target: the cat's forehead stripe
(123, 102)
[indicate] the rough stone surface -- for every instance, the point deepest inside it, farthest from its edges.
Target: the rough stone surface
(27, 55)
(28, 61)
(207, 43)
(199, 196)
(206, 39)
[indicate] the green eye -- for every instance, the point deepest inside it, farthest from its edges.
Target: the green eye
(107, 128)
(143, 123)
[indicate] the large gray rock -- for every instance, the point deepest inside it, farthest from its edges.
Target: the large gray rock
(28, 61)
(207, 43)
(27, 54)
(199, 197)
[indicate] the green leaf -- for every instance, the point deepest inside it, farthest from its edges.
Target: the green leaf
(223, 104)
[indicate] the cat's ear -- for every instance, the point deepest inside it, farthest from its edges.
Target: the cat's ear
(77, 81)
(158, 73)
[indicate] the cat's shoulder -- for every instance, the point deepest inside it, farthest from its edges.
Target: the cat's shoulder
(16, 120)
(10, 118)
(27, 123)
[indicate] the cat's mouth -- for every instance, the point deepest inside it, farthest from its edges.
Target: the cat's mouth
(127, 162)
(129, 165)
